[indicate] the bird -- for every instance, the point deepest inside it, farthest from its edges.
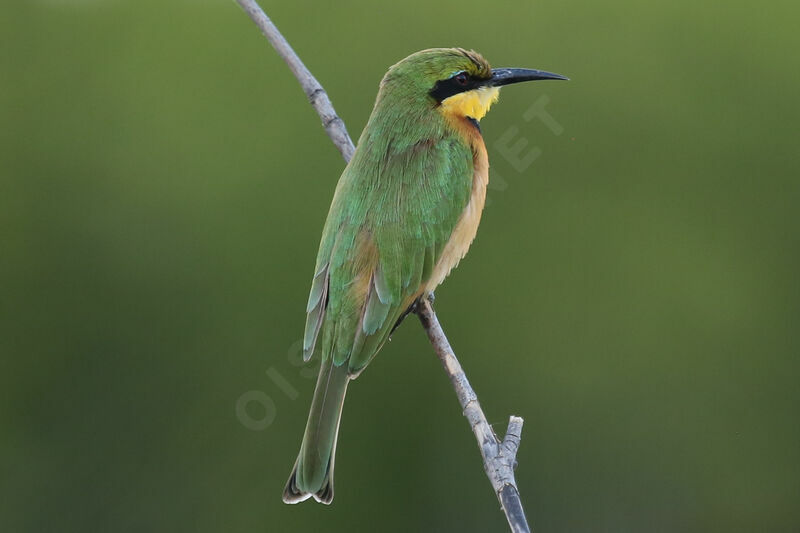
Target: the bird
(404, 213)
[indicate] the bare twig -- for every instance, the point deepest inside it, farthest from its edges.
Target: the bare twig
(334, 125)
(499, 457)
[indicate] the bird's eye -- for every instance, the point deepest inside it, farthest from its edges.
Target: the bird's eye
(461, 78)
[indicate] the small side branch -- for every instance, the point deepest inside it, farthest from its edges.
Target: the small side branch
(499, 457)
(334, 125)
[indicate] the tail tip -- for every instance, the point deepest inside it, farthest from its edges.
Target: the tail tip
(293, 494)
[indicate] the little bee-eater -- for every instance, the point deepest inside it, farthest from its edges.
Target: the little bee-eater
(405, 211)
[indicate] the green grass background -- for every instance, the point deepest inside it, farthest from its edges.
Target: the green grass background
(633, 293)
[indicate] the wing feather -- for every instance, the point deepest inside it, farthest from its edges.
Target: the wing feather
(385, 231)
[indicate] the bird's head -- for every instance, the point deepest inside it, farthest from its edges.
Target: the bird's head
(457, 82)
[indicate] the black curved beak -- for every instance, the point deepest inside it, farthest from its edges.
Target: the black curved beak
(507, 76)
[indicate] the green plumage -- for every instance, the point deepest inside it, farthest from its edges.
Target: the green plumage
(403, 215)
(407, 204)
(404, 199)
(394, 209)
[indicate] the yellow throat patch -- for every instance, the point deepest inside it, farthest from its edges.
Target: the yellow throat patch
(474, 103)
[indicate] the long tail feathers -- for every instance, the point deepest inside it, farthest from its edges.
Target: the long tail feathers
(312, 474)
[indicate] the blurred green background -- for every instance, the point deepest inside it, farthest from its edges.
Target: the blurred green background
(633, 293)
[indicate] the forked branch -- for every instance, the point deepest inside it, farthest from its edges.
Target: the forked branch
(499, 457)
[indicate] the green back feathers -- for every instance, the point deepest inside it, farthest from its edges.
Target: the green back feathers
(394, 210)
